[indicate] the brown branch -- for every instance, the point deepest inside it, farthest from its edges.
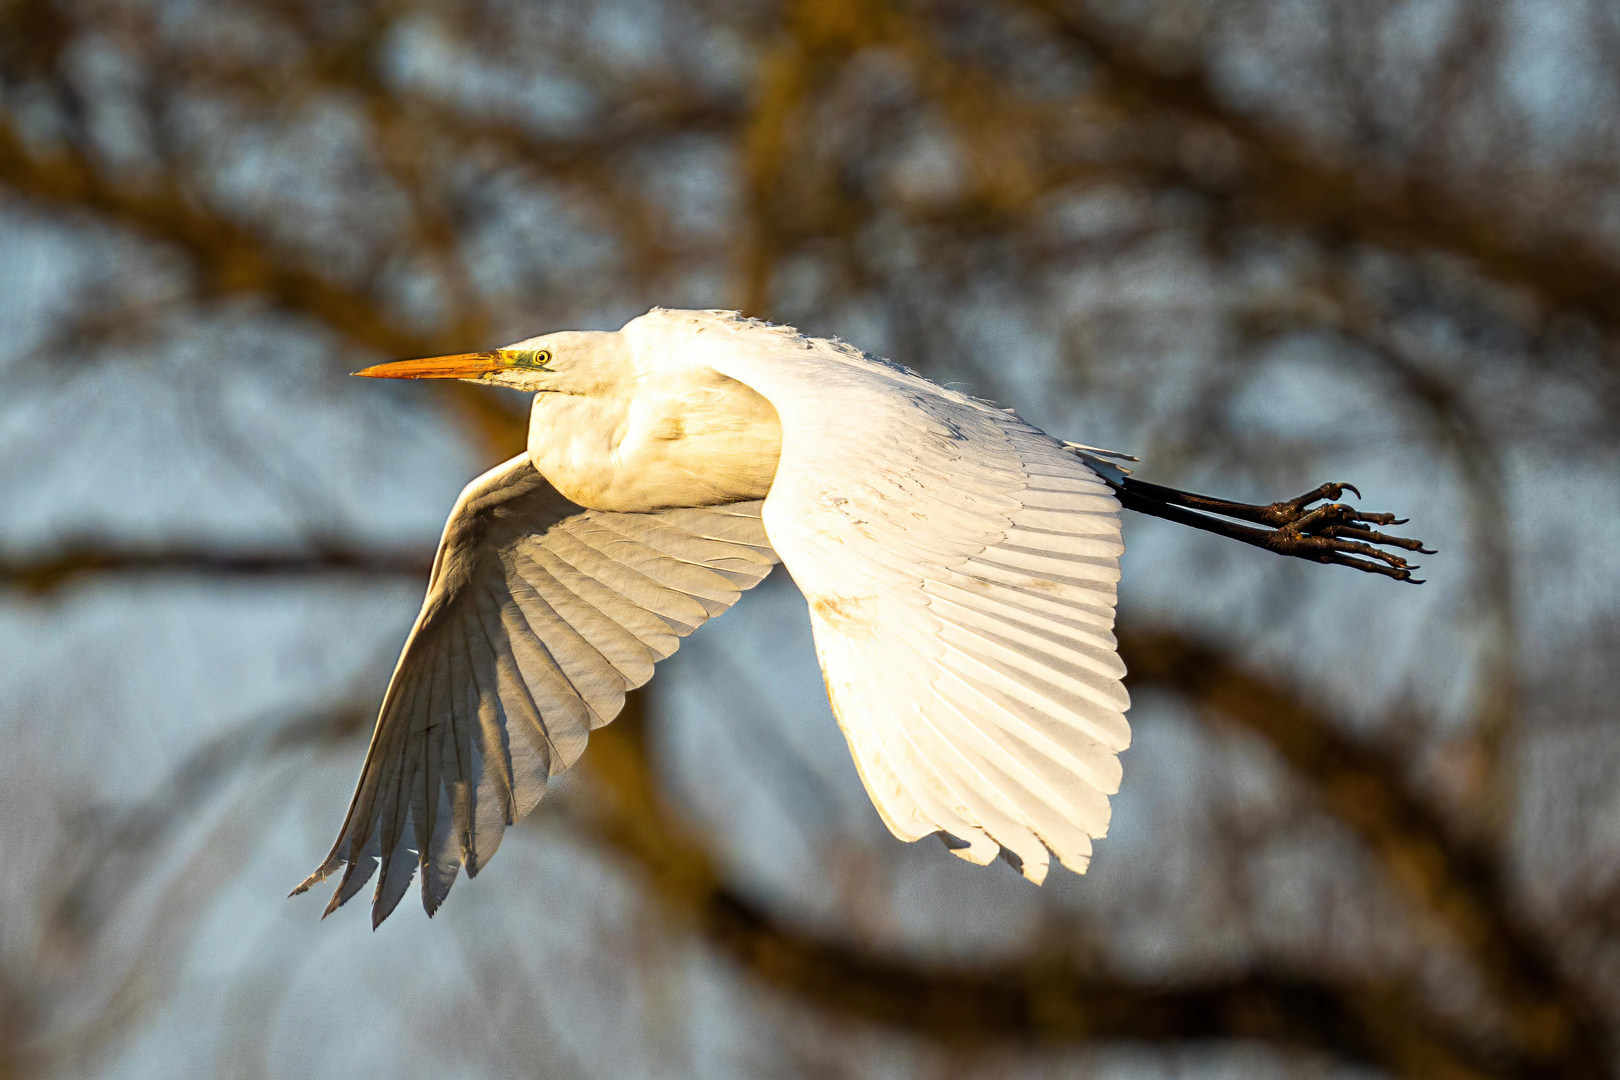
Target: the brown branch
(1556, 1027)
(1475, 447)
(1035, 1001)
(1029, 1001)
(120, 842)
(79, 559)
(412, 128)
(231, 260)
(1283, 181)
(1449, 875)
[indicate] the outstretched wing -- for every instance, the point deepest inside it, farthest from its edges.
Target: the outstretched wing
(539, 615)
(960, 567)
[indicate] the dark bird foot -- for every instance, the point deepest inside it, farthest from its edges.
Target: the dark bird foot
(1314, 526)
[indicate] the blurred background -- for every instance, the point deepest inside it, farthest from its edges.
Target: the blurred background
(1366, 829)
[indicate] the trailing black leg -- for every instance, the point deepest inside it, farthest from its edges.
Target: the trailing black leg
(1328, 533)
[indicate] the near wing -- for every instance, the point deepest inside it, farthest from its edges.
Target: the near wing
(960, 567)
(539, 616)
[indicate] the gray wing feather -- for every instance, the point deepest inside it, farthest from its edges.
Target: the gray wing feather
(539, 616)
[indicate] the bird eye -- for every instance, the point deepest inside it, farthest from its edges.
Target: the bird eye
(542, 358)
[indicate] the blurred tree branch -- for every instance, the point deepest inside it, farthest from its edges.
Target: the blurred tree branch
(1476, 450)
(1156, 120)
(129, 892)
(1038, 1000)
(1282, 180)
(76, 559)
(227, 257)
(1278, 179)
(231, 260)
(1554, 1024)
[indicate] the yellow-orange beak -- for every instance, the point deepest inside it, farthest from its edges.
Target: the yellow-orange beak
(460, 366)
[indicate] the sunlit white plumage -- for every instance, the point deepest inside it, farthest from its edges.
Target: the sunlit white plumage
(960, 568)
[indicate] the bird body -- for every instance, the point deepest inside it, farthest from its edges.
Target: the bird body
(960, 568)
(665, 434)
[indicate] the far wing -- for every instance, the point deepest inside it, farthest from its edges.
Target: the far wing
(539, 615)
(960, 567)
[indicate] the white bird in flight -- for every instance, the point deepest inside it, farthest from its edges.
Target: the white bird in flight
(960, 567)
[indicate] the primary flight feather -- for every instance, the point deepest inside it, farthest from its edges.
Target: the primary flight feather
(960, 568)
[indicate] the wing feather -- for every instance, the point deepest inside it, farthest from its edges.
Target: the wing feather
(1072, 649)
(562, 719)
(675, 575)
(425, 800)
(440, 868)
(390, 810)
(627, 654)
(1054, 777)
(495, 678)
(644, 625)
(961, 568)
(683, 612)
(392, 881)
(539, 616)
(355, 876)
(584, 685)
(462, 720)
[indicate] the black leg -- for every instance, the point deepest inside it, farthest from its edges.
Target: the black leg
(1332, 533)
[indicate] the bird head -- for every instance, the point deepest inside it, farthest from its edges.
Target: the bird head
(570, 362)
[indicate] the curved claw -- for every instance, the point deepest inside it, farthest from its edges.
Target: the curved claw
(1333, 533)
(1336, 533)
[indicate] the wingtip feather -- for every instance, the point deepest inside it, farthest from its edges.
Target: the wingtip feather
(307, 884)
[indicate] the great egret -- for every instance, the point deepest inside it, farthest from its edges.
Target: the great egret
(960, 567)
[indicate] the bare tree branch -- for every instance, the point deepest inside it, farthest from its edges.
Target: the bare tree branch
(1034, 1001)
(1282, 181)
(79, 559)
(1556, 1025)
(1447, 873)
(231, 260)
(833, 85)
(1557, 1028)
